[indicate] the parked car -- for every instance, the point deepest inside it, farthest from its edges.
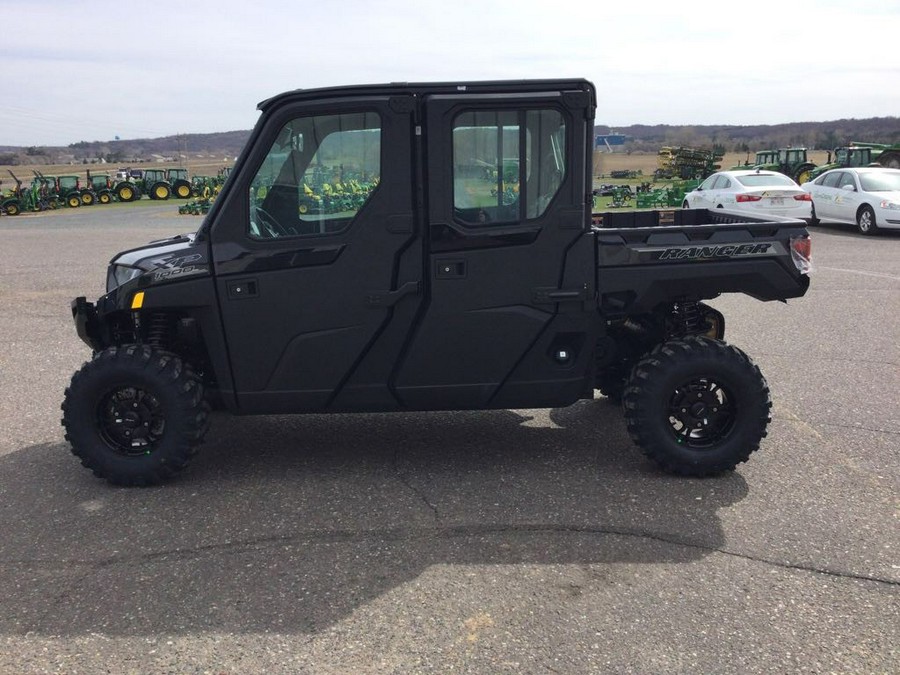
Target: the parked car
(868, 197)
(762, 192)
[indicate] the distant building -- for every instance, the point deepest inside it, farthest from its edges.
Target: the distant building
(610, 142)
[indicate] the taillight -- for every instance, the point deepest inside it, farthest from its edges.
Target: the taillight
(748, 198)
(805, 197)
(801, 253)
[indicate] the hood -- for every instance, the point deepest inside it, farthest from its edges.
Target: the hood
(161, 261)
(163, 254)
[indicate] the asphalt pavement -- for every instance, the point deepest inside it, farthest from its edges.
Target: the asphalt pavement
(518, 541)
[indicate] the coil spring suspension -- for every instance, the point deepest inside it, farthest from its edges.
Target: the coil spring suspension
(688, 319)
(159, 330)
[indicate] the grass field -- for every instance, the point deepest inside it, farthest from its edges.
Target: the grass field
(604, 163)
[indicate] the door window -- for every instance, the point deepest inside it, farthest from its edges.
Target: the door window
(507, 165)
(317, 175)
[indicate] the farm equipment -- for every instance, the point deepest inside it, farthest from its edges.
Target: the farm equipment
(625, 173)
(844, 157)
(882, 153)
(62, 189)
(155, 184)
(178, 179)
(673, 195)
(198, 207)
(36, 197)
(792, 162)
(688, 163)
(99, 189)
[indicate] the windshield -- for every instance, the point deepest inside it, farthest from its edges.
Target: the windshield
(764, 179)
(880, 182)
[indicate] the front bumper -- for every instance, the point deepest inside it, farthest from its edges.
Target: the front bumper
(87, 325)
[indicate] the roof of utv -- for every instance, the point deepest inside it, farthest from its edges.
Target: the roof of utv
(425, 88)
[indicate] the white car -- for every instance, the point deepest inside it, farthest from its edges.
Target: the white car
(868, 197)
(766, 193)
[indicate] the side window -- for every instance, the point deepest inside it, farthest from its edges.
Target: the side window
(318, 174)
(723, 183)
(831, 180)
(846, 178)
(708, 183)
(507, 165)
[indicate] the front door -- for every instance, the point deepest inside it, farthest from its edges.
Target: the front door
(509, 318)
(317, 277)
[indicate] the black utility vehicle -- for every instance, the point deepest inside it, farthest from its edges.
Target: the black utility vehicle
(452, 262)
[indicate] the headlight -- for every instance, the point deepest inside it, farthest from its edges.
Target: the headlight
(893, 206)
(120, 274)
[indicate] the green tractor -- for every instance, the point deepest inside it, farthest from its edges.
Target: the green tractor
(886, 155)
(156, 184)
(845, 157)
(64, 189)
(178, 179)
(791, 162)
(37, 197)
(97, 190)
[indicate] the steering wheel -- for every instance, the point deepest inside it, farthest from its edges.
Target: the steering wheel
(269, 224)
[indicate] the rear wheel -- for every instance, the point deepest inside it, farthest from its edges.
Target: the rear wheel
(126, 193)
(803, 173)
(87, 198)
(160, 191)
(865, 220)
(12, 209)
(697, 406)
(104, 198)
(134, 415)
(182, 190)
(890, 159)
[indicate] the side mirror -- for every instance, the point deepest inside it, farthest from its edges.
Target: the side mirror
(849, 188)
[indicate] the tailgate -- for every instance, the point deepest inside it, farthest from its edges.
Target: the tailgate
(640, 267)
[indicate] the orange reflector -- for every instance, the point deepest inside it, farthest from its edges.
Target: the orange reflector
(138, 300)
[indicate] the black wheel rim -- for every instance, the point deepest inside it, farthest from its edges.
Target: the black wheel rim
(130, 421)
(701, 413)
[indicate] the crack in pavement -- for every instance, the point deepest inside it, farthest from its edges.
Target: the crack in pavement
(427, 533)
(403, 478)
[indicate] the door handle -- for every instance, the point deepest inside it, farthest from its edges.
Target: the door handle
(380, 299)
(543, 296)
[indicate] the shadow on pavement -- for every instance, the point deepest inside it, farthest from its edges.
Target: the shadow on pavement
(289, 524)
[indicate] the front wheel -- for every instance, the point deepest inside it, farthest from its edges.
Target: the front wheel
(865, 220)
(134, 415)
(697, 406)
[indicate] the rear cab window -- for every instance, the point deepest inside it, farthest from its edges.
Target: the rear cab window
(507, 165)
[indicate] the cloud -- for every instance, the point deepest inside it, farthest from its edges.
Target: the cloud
(148, 70)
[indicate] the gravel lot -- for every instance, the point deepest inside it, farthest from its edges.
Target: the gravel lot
(522, 541)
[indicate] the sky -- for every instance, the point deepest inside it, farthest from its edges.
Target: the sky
(81, 71)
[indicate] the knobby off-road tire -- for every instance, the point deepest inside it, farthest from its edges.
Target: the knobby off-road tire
(135, 415)
(697, 406)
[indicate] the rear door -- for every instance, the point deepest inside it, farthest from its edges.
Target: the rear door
(509, 316)
(317, 277)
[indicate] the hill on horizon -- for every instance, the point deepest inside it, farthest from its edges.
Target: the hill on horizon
(642, 138)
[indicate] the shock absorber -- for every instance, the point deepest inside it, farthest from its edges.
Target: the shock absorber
(158, 330)
(687, 318)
